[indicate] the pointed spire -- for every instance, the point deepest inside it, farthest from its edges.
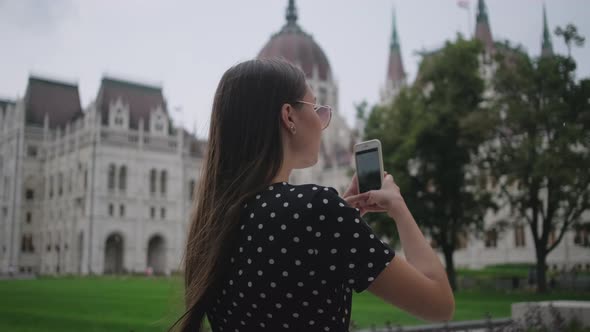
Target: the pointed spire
(546, 45)
(394, 39)
(483, 32)
(291, 13)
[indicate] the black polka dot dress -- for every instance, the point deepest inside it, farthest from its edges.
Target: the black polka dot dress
(301, 251)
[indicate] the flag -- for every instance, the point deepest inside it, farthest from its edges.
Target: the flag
(463, 4)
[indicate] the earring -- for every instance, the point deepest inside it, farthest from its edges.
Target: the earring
(293, 129)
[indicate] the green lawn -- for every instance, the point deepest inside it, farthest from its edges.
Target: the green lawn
(144, 304)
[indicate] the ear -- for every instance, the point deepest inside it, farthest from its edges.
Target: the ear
(287, 116)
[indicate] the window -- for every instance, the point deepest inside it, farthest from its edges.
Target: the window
(50, 186)
(162, 213)
(60, 179)
(582, 237)
(119, 121)
(26, 244)
(491, 238)
(29, 217)
(85, 178)
(111, 177)
(122, 210)
(163, 176)
(111, 210)
(191, 189)
(153, 175)
(29, 193)
(152, 212)
(123, 177)
(159, 126)
(519, 239)
(32, 151)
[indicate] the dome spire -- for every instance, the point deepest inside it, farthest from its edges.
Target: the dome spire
(394, 39)
(291, 13)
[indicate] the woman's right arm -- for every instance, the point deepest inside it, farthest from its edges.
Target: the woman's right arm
(417, 284)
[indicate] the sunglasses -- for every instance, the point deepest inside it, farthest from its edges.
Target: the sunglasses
(324, 112)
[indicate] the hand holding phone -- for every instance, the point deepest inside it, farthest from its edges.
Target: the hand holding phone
(369, 165)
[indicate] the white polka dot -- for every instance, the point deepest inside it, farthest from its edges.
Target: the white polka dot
(242, 227)
(241, 294)
(356, 220)
(341, 204)
(269, 315)
(370, 264)
(311, 322)
(315, 292)
(273, 284)
(272, 214)
(300, 284)
(351, 266)
(305, 303)
(249, 283)
(263, 204)
(300, 195)
(309, 205)
(286, 204)
(312, 273)
(318, 234)
(292, 189)
(278, 195)
(285, 273)
(326, 328)
(240, 272)
(262, 324)
(271, 261)
(259, 272)
(320, 311)
(289, 295)
(251, 215)
(249, 237)
(257, 196)
(286, 325)
(254, 305)
(356, 235)
(260, 226)
(386, 251)
(310, 251)
(296, 315)
(371, 279)
(325, 201)
(278, 305)
(322, 217)
(372, 236)
(325, 188)
(340, 219)
(245, 206)
(372, 250)
(336, 235)
(249, 261)
(270, 188)
(353, 250)
(231, 282)
(284, 250)
(333, 251)
(332, 267)
(262, 295)
(314, 188)
(297, 262)
(283, 227)
(296, 216)
(241, 249)
(296, 239)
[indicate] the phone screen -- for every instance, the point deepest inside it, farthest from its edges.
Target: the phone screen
(368, 170)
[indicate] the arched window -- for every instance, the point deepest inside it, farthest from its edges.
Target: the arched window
(123, 177)
(191, 189)
(60, 180)
(111, 177)
(163, 176)
(153, 175)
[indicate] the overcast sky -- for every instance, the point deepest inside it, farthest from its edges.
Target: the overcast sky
(185, 46)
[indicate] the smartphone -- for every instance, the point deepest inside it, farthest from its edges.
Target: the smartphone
(369, 165)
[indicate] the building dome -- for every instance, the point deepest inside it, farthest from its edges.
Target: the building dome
(298, 47)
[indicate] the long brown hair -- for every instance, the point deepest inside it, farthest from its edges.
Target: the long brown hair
(244, 154)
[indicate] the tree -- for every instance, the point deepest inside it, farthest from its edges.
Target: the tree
(429, 140)
(569, 34)
(541, 152)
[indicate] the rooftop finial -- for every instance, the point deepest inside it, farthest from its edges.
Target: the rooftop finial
(546, 45)
(394, 38)
(291, 13)
(482, 12)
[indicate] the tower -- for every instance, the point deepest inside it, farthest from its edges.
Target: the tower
(396, 76)
(546, 43)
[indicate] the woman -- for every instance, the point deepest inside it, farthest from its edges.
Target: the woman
(266, 255)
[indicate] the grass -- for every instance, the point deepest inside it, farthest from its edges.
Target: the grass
(152, 304)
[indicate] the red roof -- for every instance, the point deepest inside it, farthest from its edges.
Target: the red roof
(61, 101)
(299, 48)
